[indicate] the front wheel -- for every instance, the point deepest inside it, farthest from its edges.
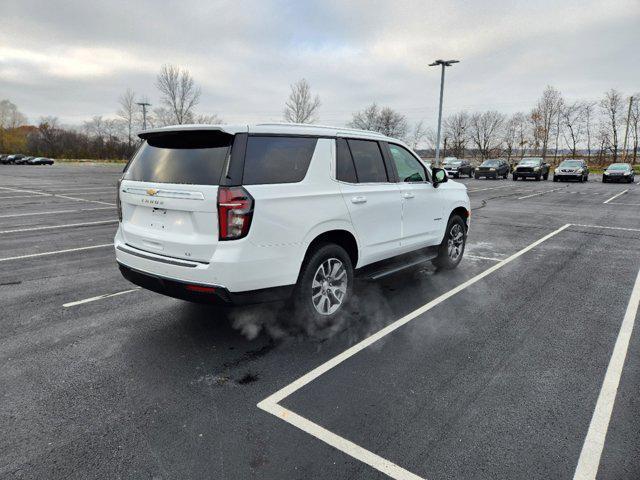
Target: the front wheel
(452, 246)
(324, 287)
(546, 176)
(515, 177)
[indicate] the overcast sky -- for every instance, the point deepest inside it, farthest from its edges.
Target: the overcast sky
(72, 59)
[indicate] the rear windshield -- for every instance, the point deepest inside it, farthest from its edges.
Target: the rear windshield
(195, 158)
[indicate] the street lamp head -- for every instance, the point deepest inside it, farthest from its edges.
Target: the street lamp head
(446, 63)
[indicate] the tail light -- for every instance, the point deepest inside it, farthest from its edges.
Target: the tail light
(235, 211)
(118, 204)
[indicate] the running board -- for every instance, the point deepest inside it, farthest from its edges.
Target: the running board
(393, 265)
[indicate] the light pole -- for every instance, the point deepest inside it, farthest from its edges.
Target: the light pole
(444, 64)
(144, 106)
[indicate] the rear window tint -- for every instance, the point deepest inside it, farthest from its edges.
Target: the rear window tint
(368, 161)
(345, 171)
(277, 159)
(186, 157)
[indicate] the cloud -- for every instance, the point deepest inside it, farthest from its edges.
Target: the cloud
(72, 59)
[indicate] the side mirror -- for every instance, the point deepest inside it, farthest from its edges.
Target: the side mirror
(439, 176)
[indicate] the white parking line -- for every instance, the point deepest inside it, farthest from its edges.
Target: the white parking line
(99, 297)
(626, 204)
(51, 227)
(609, 228)
(55, 252)
(32, 195)
(589, 460)
(540, 193)
(490, 188)
(53, 195)
(482, 258)
(13, 215)
(270, 404)
(616, 196)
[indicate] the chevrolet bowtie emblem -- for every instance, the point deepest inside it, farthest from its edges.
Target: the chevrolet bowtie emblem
(151, 191)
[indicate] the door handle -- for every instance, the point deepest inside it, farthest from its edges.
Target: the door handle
(408, 195)
(359, 199)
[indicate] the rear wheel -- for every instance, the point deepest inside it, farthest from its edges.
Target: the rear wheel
(324, 288)
(546, 176)
(477, 177)
(452, 246)
(515, 177)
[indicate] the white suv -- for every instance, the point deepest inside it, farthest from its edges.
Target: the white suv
(247, 214)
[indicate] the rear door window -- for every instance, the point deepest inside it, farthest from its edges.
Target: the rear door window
(368, 161)
(275, 159)
(345, 171)
(181, 157)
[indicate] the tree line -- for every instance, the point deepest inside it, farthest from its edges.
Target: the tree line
(607, 129)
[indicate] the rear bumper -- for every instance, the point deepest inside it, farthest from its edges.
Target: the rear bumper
(211, 294)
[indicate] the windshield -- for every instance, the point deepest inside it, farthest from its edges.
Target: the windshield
(571, 163)
(528, 162)
(490, 163)
(618, 166)
(186, 157)
(455, 163)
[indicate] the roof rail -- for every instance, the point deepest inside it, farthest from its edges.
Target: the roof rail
(328, 127)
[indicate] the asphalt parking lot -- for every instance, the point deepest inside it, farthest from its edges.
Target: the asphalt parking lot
(507, 367)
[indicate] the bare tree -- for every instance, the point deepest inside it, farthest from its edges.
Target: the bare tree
(179, 93)
(419, 134)
(589, 113)
(456, 130)
(521, 124)
(558, 127)
(212, 119)
(301, 106)
(384, 120)
(574, 124)
(537, 129)
(547, 112)
(485, 131)
(612, 106)
(128, 113)
(510, 135)
(10, 116)
(635, 125)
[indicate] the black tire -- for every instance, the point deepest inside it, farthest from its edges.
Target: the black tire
(444, 260)
(546, 176)
(515, 177)
(505, 176)
(315, 323)
(555, 179)
(471, 173)
(477, 177)
(604, 180)
(581, 179)
(538, 178)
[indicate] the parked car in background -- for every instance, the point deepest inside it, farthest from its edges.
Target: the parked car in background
(457, 167)
(531, 167)
(619, 172)
(40, 161)
(22, 160)
(249, 214)
(3, 158)
(571, 169)
(493, 168)
(12, 159)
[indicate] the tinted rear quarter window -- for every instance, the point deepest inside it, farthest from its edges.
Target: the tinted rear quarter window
(181, 157)
(368, 161)
(277, 159)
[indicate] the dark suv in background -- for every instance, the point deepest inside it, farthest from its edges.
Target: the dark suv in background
(493, 168)
(457, 167)
(531, 167)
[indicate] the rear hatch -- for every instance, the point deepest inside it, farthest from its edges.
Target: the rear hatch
(168, 194)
